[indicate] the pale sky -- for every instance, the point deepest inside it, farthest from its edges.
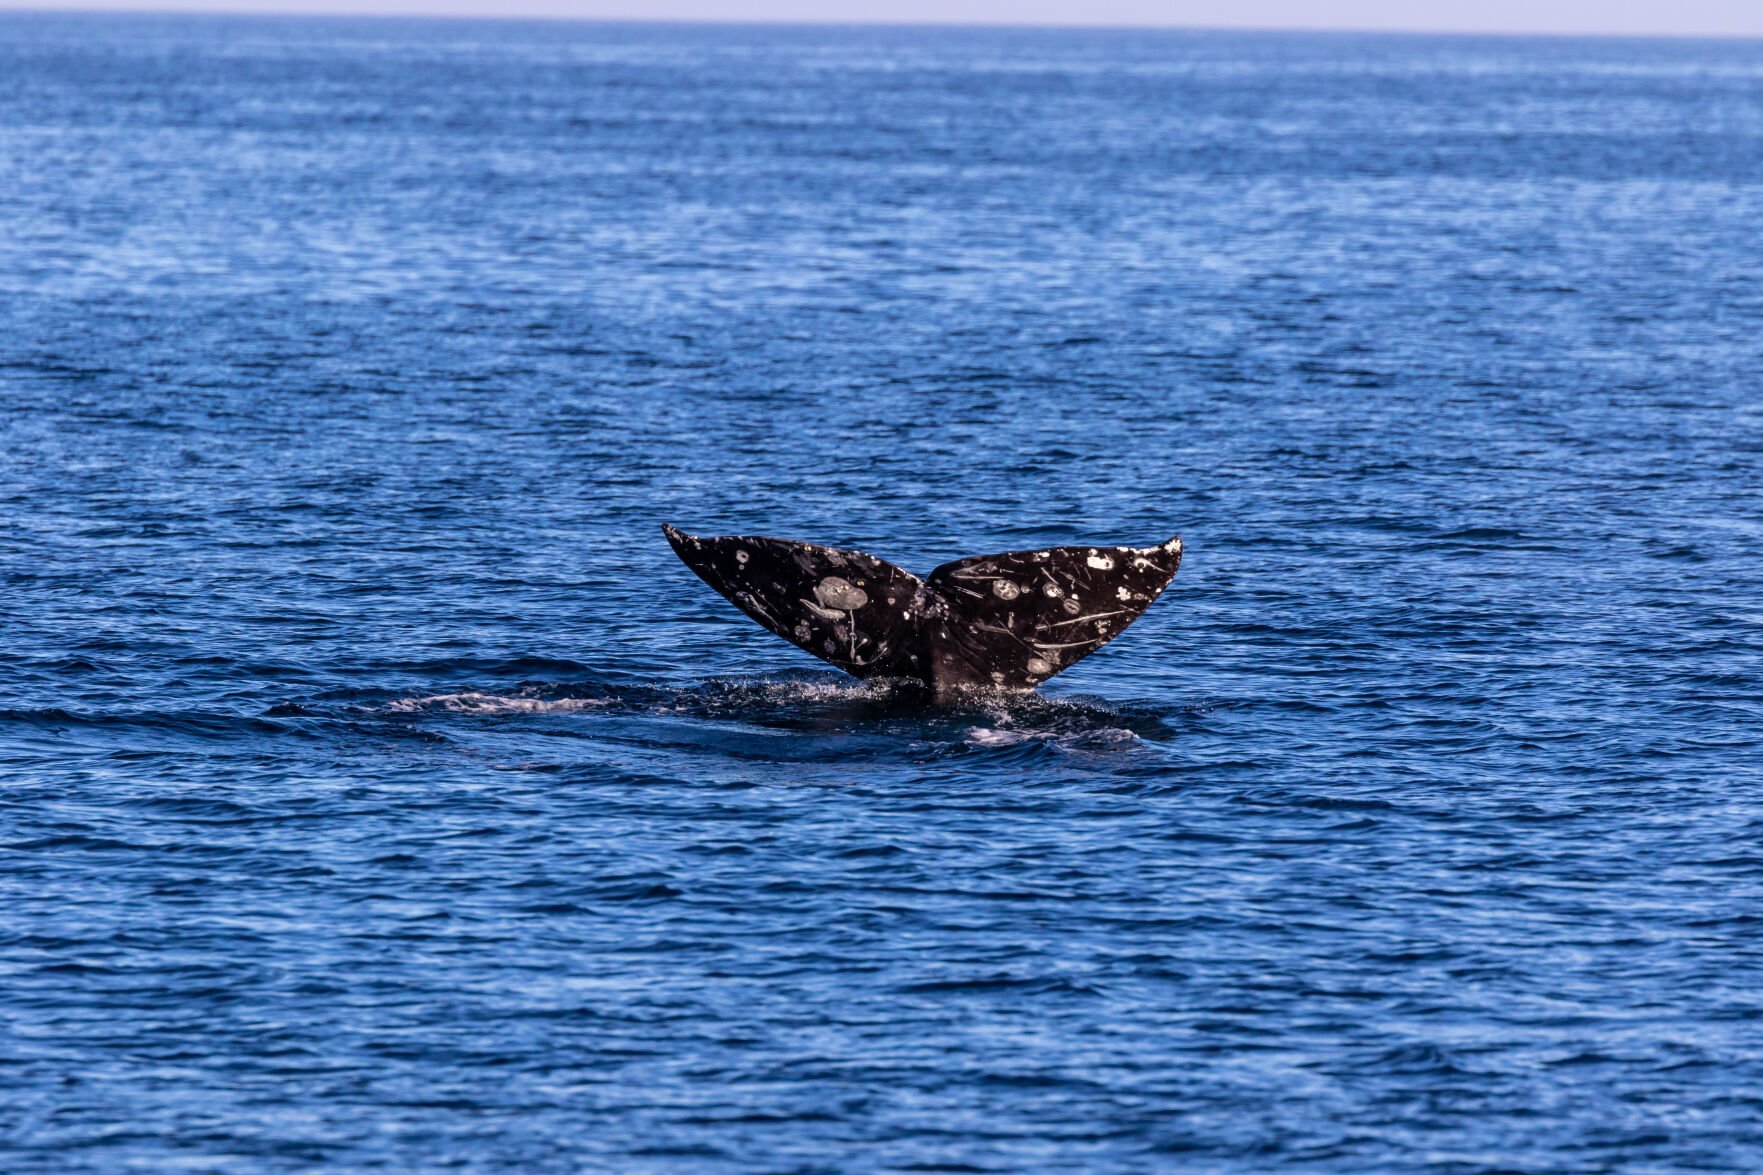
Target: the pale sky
(1680, 17)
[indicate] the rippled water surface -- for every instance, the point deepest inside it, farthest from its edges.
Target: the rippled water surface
(378, 791)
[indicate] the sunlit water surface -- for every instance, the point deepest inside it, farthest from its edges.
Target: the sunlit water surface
(377, 791)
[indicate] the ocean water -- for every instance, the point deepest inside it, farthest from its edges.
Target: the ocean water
(378, 792)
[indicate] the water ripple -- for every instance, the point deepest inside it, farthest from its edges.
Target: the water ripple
(379, 791)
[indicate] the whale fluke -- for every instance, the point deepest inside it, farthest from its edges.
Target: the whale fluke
(1003, 621)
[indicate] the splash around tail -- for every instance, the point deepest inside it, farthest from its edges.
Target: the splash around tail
(1005, 621)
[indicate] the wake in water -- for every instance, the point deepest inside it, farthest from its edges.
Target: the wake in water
(831, 716)
(983, 719)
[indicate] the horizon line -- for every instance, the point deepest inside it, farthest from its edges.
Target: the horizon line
(360, 13)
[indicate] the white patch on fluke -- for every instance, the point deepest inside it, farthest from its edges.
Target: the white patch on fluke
(842, 594)
(1100, 562)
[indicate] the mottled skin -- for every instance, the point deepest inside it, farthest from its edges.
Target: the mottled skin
(1006, 621)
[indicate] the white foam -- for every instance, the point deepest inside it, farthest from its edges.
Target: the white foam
(473, 703)
(1105, 738)
(982, 736)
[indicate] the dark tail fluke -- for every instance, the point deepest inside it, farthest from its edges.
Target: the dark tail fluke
(1011, 620)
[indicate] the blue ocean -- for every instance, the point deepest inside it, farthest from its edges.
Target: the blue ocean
(379, 792)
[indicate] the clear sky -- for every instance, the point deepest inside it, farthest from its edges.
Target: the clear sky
(1687, 17)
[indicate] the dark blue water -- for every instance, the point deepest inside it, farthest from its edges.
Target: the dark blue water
(378, 791)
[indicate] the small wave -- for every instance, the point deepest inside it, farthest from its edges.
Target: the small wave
(198, 723)
(984, 737)
(1099, 738)
(477, 703)
(814, 690)
(525, 665)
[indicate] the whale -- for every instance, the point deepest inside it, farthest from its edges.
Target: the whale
(1008, 621)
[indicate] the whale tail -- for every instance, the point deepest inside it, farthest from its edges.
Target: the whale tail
(1001, 621)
